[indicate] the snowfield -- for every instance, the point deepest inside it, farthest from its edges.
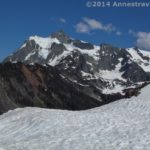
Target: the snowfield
(122, 125)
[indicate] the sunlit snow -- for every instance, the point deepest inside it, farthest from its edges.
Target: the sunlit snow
(122, 125)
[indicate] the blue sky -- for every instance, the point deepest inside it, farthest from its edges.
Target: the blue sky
(123, 27)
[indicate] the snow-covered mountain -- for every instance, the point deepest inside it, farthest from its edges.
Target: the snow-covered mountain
(77, 60)
(43, 70)
(121, 125)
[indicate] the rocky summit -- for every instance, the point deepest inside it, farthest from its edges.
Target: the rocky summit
(61, 72)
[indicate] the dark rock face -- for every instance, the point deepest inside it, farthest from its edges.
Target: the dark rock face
(23, 85)
(134, 73)
(56, 50)
(20, 54)
(109, 57)
(38, 86)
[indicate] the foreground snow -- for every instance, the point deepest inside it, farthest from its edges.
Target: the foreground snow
(122, 125)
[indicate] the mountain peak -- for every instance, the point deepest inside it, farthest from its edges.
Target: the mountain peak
(61, 36)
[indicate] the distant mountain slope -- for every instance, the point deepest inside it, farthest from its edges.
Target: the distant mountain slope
(44, 86)
(120, 125)
(22, 85)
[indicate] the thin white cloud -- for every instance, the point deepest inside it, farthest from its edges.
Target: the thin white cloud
(143, 40)
(109, 28)
(118, 33)
(62, 20)
(88, 24)
(56, 20)
(82, 28)
(93, 24)
(131, 32)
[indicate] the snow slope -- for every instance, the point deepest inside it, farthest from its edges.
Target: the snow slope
(122, 125)
(144, 64)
